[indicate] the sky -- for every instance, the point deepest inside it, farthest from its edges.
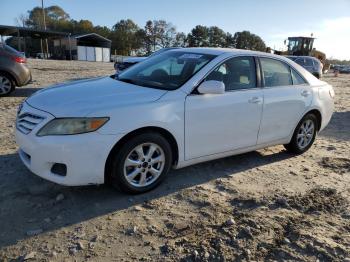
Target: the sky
(272, 20)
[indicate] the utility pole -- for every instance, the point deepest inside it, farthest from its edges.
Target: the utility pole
(47, 45)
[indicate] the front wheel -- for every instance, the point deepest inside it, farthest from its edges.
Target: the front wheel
(304, 135)
(141, 163)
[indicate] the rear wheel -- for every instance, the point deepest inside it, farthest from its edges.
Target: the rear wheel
(304, 135)
(7, 85)
(141, 163)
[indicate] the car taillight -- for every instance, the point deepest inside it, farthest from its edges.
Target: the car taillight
(19, 59)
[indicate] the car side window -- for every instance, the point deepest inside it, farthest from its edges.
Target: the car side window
(275, 73)
(297, 79)
(236, 73)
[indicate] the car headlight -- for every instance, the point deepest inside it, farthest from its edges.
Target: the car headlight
(72, 126)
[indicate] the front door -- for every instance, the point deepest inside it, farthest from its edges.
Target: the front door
(229, 121)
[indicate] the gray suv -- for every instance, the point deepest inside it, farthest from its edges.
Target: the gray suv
(311, 64)
(13, 70)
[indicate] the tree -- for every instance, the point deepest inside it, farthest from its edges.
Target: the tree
(166, 33)
(82, 26)
(54, 15)
(35, 18)
(180, 39)
(102, 30)
(124, 37)
(247, 40)
(127, 37)
(198, 37)
(216, 36)
(150, 37)
(229, 43)
(159, 34)
(21, 20)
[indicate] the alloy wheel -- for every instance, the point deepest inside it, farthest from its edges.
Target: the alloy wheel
(144, 164)
(5, 85)
(305, 133)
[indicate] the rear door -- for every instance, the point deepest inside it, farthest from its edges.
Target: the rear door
(286, 97)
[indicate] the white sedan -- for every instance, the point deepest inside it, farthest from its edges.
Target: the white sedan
(175, 109)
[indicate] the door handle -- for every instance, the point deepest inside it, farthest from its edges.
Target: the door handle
(255, 100)
(305, 93)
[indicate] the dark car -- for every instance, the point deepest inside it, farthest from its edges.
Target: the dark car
(344, 69)
(311, 64)
(130, 61)
(13, 69)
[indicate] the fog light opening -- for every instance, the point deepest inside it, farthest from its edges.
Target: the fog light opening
(59, 169)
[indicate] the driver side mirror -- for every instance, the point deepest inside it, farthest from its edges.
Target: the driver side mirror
(212, 87)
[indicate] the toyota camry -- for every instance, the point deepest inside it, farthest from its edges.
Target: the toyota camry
(175, 109)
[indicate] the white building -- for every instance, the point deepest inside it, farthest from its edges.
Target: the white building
(86, 47)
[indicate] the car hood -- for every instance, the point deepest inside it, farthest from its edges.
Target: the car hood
(84, 97)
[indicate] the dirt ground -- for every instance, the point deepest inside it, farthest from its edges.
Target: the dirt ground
(264, 205)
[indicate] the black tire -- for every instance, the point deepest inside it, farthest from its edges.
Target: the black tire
(117, 178)
(8, 78)
(293, 146)
(317, 75)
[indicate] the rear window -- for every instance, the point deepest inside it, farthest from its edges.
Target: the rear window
(275, 73)
(297, 79)
(11, 50)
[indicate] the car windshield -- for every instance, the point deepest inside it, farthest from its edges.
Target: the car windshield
(168, 71)
(163, 50)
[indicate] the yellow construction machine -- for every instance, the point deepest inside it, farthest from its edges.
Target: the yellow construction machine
(303, 46)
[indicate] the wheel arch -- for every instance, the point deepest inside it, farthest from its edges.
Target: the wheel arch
(318, 115)
(162, 131)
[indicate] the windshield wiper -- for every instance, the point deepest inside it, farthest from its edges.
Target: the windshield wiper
(126, 80)
(148, 84)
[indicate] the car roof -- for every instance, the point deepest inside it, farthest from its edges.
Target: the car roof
(303, 56)
(220, 51)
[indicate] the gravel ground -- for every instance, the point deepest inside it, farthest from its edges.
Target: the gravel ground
(264, 205)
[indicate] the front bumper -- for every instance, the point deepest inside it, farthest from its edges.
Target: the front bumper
(84, 155)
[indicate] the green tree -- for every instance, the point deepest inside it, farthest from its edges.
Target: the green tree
(124, 37)
(180, 39)
(217, 37)
(229, 43)
(159, 34)
(198, 37)
(247, 40)
(166, 33)
(82, 26)
(102, 30)
(150, 37)
(54, 15)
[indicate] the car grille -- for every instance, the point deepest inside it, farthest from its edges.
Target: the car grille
(26, 122)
